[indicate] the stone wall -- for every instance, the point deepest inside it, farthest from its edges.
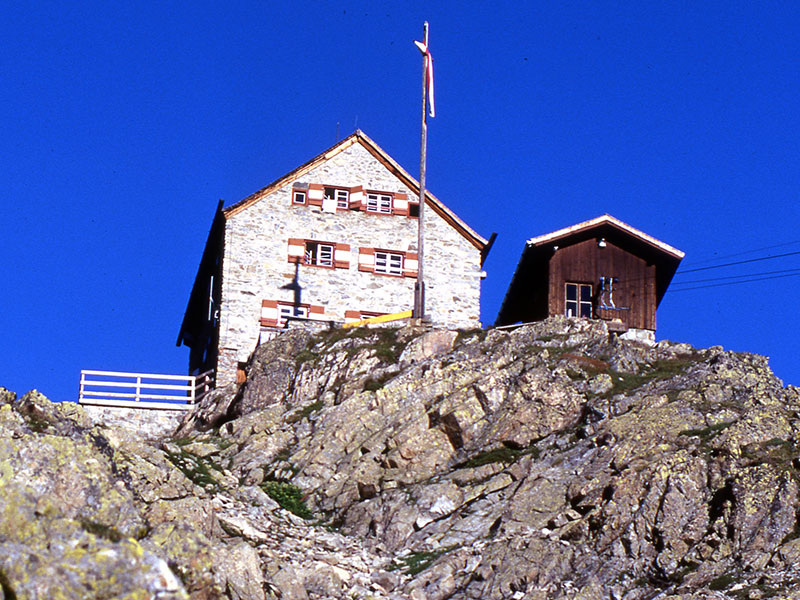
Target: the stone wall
(256, 265)
(148, 423)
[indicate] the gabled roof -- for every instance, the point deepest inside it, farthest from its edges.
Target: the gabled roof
(359, 137)
(598, 222)
(532, 269)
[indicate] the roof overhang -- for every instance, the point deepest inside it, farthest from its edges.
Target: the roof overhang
(359, 137)
(532, 265)
(598, 222)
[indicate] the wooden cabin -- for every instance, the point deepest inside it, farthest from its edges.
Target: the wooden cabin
(599, 269)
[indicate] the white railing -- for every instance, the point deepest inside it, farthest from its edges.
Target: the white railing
(143, 390)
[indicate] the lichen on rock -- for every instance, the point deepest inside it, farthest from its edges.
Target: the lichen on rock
(553, 460)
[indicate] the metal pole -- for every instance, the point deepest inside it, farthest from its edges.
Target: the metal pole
(419, 286)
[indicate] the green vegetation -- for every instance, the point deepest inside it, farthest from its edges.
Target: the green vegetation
(374, 384)
(305, 412)
(662, 369)
(503, 454)
(197, 470)
(289, 497)
(100, 530)
(305, 355)
(416, 562)
(721, 582)
(776, 452)
(466, 334)
(706, 432)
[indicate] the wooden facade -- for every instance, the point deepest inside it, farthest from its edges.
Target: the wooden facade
(602, 269)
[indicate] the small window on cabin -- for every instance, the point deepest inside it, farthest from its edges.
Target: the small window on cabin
(578, 300)
(341, 196)
(413, 209)
(299, 197)
(318, 254)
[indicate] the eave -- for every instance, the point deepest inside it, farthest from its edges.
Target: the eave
(359, 137)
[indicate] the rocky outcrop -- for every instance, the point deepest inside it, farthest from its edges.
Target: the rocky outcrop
(549, 461)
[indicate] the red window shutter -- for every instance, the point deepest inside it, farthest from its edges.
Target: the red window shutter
(296, 249)
(341, 256)
(352, 314)
(400, 204)
(269, 317)
(366, 260)
(316, 192)
(357, 198)
(316, 310)
(410, 264)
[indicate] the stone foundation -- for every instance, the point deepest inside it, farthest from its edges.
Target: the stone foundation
(148, 423)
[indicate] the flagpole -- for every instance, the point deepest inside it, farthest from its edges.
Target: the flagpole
(419, 286)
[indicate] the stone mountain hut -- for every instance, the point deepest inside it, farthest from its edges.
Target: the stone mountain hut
(334, 240)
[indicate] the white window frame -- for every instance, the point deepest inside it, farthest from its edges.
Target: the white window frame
(320, 254)
(389, 263)
(379, 203)
(579, 303)
(342, 196)
(300, 194)
(287, 309)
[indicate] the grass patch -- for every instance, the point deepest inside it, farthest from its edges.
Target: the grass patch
(721, 582)
(662, 369)
(503, 454)
(305, 355)
(289, 497)
(387, 348)
(196, 469)
(305, 412)
(777, 452)
(416, 562)
(466, 334)
(374, 384)
(707, 432)
(100, 530)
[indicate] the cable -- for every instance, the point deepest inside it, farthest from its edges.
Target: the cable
(739, 262)
(724, 256)
(736, 276)
(711, 285)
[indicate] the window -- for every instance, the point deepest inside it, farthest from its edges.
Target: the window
(578, 300)
(379, 203)
(299, 197)
(389, 263)
(341, 196)
(291, 310)
(319, 254)
(276, 313)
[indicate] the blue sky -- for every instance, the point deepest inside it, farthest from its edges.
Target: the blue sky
(123, 124)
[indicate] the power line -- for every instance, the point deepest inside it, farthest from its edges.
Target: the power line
(739, 262)
(724, 256)
(737, 276)
(711, 285)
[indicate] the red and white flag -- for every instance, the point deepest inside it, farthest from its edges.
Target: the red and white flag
(428, 75)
